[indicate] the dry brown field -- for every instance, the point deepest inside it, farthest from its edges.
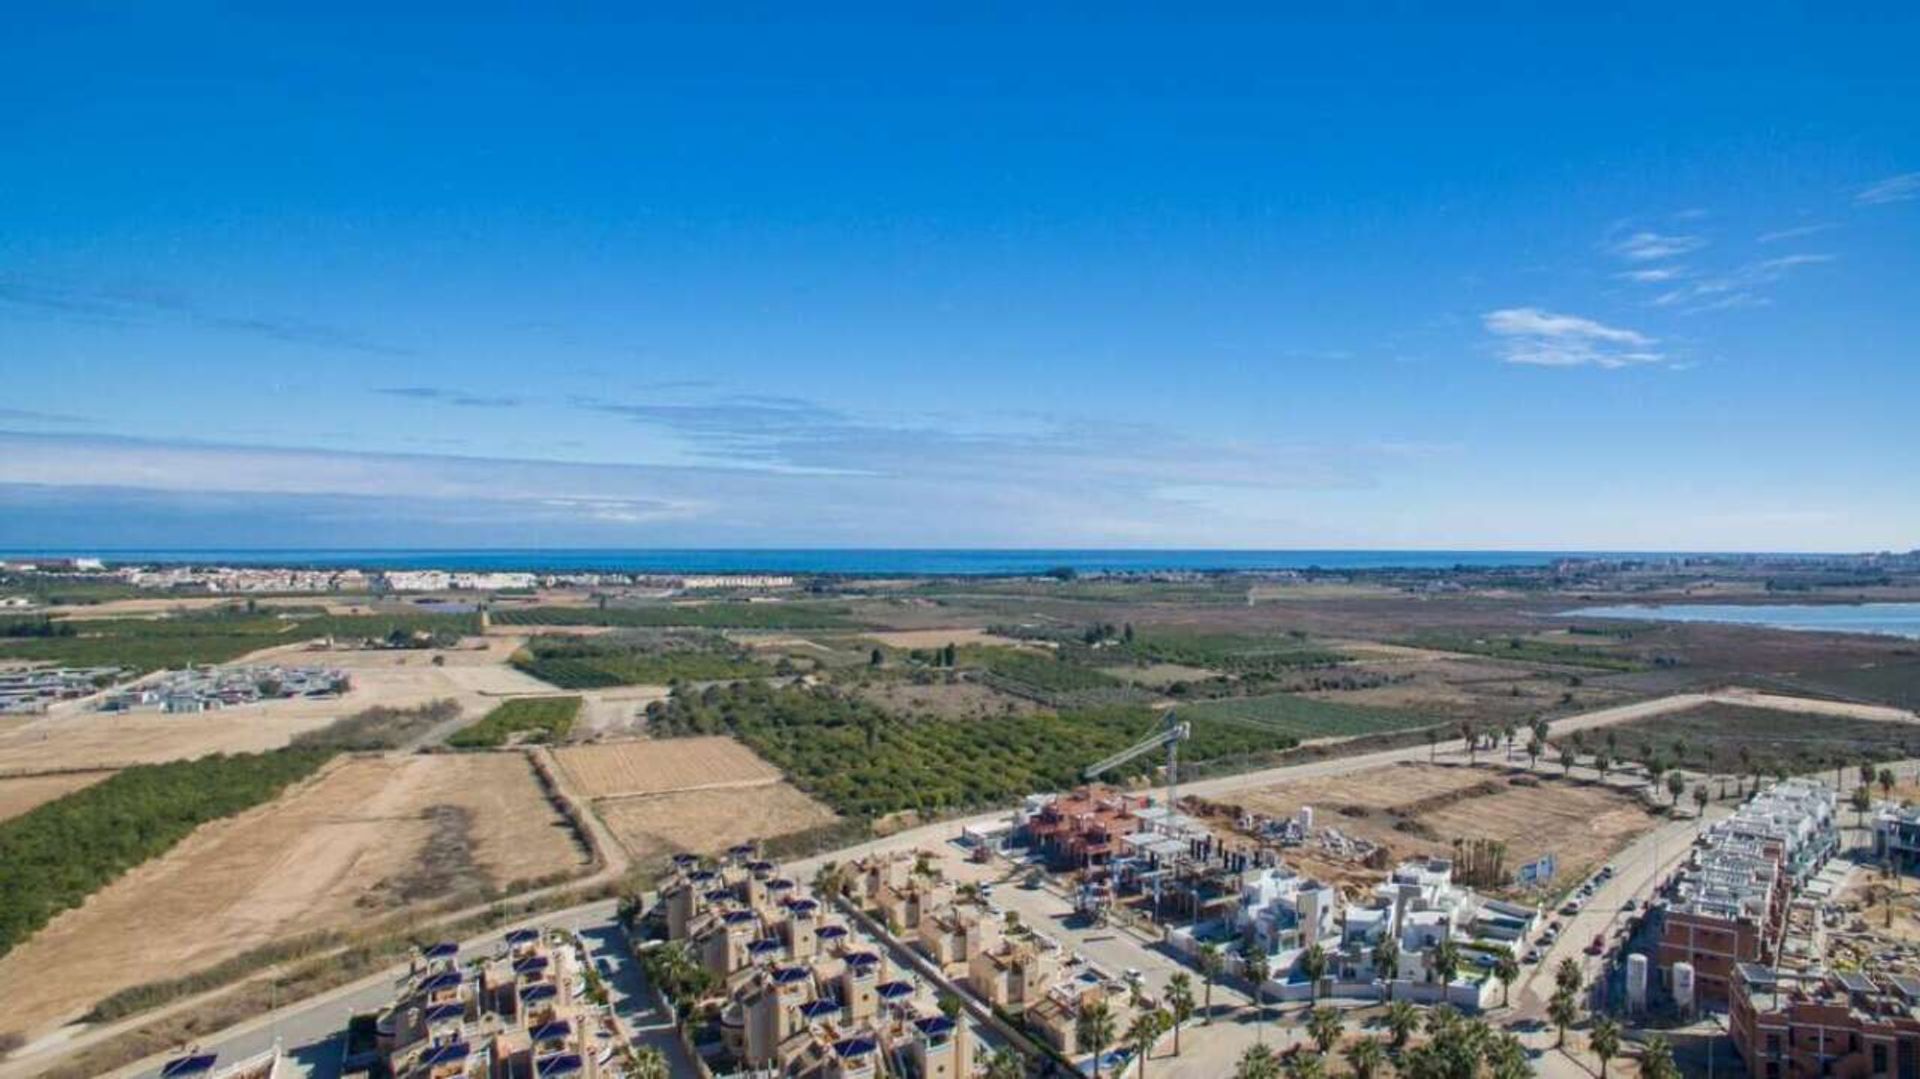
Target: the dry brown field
(25, 793)
(365, 837)
(1417, 810)
(708, 821)
(657, 766)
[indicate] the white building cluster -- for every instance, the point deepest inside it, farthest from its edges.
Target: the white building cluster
(244, 579)
(204, 689)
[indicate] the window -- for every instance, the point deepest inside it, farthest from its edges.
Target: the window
(1879, 1059)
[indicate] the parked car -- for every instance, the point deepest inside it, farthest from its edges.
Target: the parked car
(1599, 944)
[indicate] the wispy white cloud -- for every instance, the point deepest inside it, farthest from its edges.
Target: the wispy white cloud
(1902, 188)
(1793, 233)
(1653, 275)
(1648, 246)
(1531, 336)
(1739, 288)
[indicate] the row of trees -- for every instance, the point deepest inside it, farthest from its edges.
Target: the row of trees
(55, 856)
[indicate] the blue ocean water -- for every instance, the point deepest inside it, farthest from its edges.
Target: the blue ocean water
(848, 561)
(1887, 619)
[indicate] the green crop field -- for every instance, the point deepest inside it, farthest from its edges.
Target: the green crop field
(534, 719)
(1304, 717)
(1236, 653)
(598, 662)
(866, 761)
(700, 616)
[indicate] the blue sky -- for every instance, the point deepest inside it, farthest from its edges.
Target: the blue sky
(1641, 280)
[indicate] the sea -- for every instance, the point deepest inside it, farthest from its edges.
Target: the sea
(847, 561)
(1885, 619)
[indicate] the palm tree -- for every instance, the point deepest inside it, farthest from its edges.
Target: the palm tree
(1441, 1019)
(1676, 785)
(1210, 967)
(1862, 801)
(1179, 1003)
(1566, 757)
(1433, 742)
(1323, 1026)
(1472, 744)
(1304, 1066)
(1402, 1020)
(1093, 1031)
(830, 881)
(1386, 964)
(1506, 971)
(1257, 971)
(1314, 965)
(1258, 1062)
(1700, 797)
(1886, 782)
(1507, 1058)
(1567, 975)
(1602, 764)
(1364, 1057)
(1002, 1063)
(1564, 1012)
(649, 1063)
(1533, 753)
(1656, 1059)
(1446, 961)
(1605, 1041)
(1145, 1029)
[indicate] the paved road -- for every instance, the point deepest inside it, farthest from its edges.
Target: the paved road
(301, 1025)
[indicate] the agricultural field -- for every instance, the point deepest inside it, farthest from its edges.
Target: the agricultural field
(716, 615)
(868, 762)
(19, 794)
(1563, 649)
(1234, 653)
(957, 699)
(1303, 718)
(1730, 738)
(365, 837)
(709, 821)
(659, 766)
(527, 719)
(576, 662)
(1417, 810)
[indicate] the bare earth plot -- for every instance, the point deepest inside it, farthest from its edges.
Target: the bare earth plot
(960, 700)
(709, 821)
(366, 837)
(658, 766)
(1419, 809)
(686, 794)
(18, 796)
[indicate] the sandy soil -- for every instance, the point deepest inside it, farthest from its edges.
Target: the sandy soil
(72, 737)
(616, 712)
(17, 796)
(658, 766)
(366, 836)
(1159, 675)
(709, 821)
(1419, 809)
